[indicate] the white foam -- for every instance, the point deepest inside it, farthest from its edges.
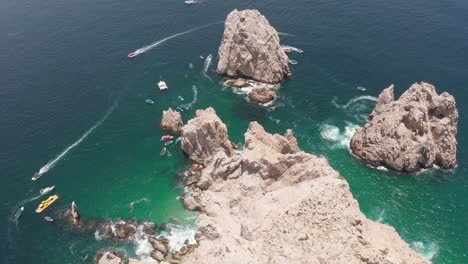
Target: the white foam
(352, 101)
(53, 162)
(334, 134)
(159, 42)
(178, 234)
(428, 250)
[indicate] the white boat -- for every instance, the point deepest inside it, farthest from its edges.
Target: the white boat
(36, 176)
(190, 2)
(360, 88)
(18, 213)
(162, 85)
(46, 190)
(163, 151)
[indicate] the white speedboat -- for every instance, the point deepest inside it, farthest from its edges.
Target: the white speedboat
(162, 85)
(190, 2)
(46, 190)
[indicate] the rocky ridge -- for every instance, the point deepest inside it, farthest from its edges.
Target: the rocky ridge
(251, 48)
(274, 203)
(416, 131)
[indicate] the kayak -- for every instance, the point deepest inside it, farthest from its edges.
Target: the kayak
(46, 203)
(46, 190)
(18, 213)
(166, 137)
(48, 219)
(167, 143)
(163, 151)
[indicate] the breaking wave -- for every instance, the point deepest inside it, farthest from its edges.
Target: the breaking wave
(334, 134)
(178, 234)
(428, 250)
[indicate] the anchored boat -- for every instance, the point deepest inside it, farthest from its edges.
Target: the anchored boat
(162, 85)
(48, 218)
(163, 151)
(46, 203)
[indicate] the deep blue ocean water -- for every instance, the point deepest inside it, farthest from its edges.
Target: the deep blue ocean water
(64, 65)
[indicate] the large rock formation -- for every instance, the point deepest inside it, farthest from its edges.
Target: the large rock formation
(251, 48)
(108, 257)
(416, 131)
(205, 135)
(273, 203)
(172, 121)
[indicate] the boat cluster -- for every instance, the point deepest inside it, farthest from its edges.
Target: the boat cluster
(42, 206)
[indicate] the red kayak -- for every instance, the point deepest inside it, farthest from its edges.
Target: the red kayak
(131, 55)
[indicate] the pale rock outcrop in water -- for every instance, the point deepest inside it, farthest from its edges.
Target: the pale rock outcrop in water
(251, 48)
(274, 203)
(262, 95)
(205, 135)
(416, 131)
(172, 121)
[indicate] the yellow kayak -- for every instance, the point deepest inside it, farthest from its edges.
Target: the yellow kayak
(46, 203)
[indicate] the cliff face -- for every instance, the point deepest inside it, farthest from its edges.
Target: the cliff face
(251, 48)
(274, 203)
(416, 131)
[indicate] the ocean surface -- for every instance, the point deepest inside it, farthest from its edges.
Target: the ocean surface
(72, 105)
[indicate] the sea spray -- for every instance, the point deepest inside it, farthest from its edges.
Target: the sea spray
(206, 65)
(159, 42)
(333, 133)
(53, 162)
(352, 101)
(428, 250)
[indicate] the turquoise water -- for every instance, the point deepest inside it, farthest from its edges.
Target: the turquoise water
(64, 66)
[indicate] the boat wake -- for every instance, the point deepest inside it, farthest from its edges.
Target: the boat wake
(54, 162)
(334, 134)
(428, 250)
(195, 98)
(142, 200)
(159, 42)
(291, 48)
(286, 34)
(353, 101)
(207, 65)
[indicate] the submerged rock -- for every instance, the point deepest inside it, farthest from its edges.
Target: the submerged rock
(251, 48)
(238, 83)
(416, 131)
(172, 121)
(262, 95)
(273, 203)
(205, 135)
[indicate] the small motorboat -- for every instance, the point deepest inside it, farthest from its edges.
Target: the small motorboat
(48, 218)
(180, 109)
(190, 66)
(149, 101)
(167, 143)
(162, 85)
(46, 203)
(299, 50)
(360, 88)
(180, 98)
(190, 2)
(131, 54)
(46, 190)
(166, 137)
(178, 140)
(163, 151)
(293, 62)
(201, 57)
(36, 176)
(18, 213)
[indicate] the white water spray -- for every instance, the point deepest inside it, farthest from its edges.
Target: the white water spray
(354, 100)
(159, 42)
(53, 162)
(207, 65)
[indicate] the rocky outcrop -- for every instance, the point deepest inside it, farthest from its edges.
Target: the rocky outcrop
(110, 258)
(238, 83)
(74, 215)
(251, 48)
(273, 203)
(172, 121)
(262, 95)
(205, 135)
(416, 131)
